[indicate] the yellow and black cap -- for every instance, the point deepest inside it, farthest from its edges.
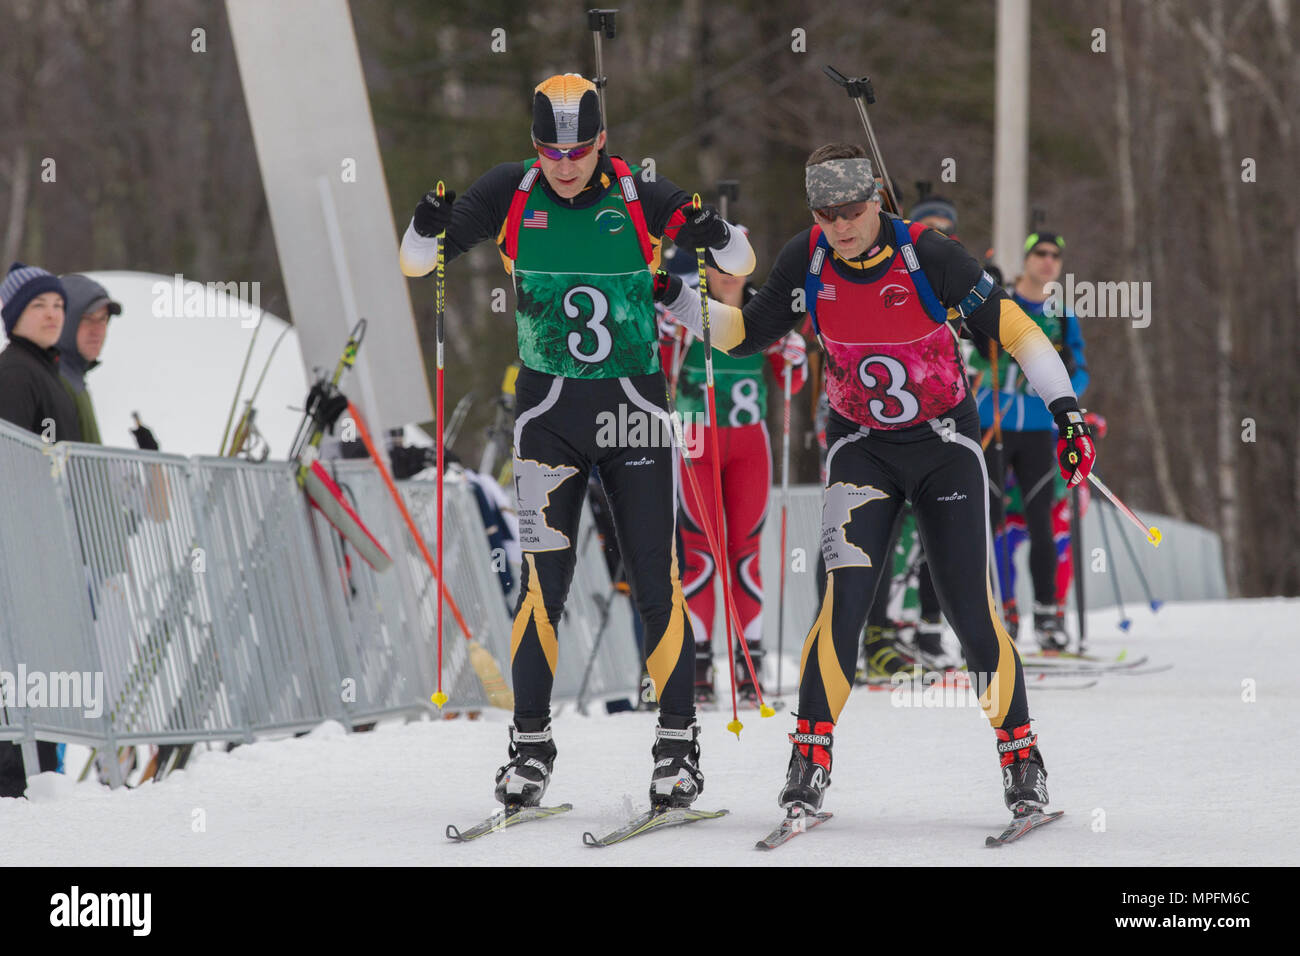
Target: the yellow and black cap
(566, 110)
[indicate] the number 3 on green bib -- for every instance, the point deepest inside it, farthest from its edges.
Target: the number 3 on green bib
(599, 312)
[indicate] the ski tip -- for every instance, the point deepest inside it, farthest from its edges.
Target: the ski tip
(453, 834)
(589, 839)
(767, 711)
(439, 698)
(735, 727)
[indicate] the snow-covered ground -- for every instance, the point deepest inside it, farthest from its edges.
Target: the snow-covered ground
(1180, 767)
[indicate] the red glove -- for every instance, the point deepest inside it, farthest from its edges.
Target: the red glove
(789, 349)
(1074, 448)
(1096, 424)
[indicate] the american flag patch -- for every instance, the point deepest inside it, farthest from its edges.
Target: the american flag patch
(826, 292)
(535, 219)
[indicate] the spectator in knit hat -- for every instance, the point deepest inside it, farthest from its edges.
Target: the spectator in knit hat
(32, 395)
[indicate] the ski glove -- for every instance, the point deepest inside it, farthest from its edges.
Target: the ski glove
(433, 214)
(1074, 448)
(667, 287)
(703, 228)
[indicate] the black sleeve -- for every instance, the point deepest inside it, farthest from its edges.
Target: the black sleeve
(19, 402)
(773, 310)
(479, 213)
(660, 199)
(953, 272)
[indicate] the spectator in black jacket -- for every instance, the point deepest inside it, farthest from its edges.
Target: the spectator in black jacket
(85, 327)
(32, 395)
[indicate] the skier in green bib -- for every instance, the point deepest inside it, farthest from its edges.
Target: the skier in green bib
(579, 231)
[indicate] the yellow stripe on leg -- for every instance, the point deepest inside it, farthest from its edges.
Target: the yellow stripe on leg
(668, 651)
(534, 609)
(995, 699)
(834, 683)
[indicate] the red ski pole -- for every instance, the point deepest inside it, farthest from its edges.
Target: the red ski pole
(701, 253)
(729, 605)
(1152, 533)
(785, 497)
(440, 307)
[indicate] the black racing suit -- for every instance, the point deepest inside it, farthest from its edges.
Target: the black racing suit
(934, 462)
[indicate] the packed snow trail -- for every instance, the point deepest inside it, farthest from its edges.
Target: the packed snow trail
(1168, 768)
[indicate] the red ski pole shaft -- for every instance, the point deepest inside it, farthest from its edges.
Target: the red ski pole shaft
(729, 604)
(440, 304)
(785, 495)
(1152, 533)
(701, 254)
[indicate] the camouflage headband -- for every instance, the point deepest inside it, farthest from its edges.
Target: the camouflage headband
(838, 181)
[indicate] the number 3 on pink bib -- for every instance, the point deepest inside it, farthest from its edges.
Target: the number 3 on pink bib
(894, 382)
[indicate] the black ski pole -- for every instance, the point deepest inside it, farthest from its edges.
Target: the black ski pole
(598, 22)
(1076, 555)
(606, 605)
(1132, 556)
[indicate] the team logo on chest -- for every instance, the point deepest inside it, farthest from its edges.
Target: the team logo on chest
(894, 294)
(610, 221)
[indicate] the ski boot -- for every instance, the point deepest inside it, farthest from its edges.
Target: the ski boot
(1011, 618)
(883, 656)
(929, 647)
(745, 689)
(809, 773)
(676, 780)
(1024, 779)
(1049, 630)
(705, 696)
(522, 782)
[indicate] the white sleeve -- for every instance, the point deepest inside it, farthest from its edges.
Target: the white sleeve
(726, 323)
(737, 256)
(418, 255)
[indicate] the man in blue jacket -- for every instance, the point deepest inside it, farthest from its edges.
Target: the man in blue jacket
(1028, 429)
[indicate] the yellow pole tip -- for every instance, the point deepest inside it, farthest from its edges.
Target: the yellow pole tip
(439, 698)
(441, 189)
(1153, 534)
(766, 711)
(735, 727)
(695, 201)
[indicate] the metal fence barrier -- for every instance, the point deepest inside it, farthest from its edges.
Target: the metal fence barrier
(153, 598)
